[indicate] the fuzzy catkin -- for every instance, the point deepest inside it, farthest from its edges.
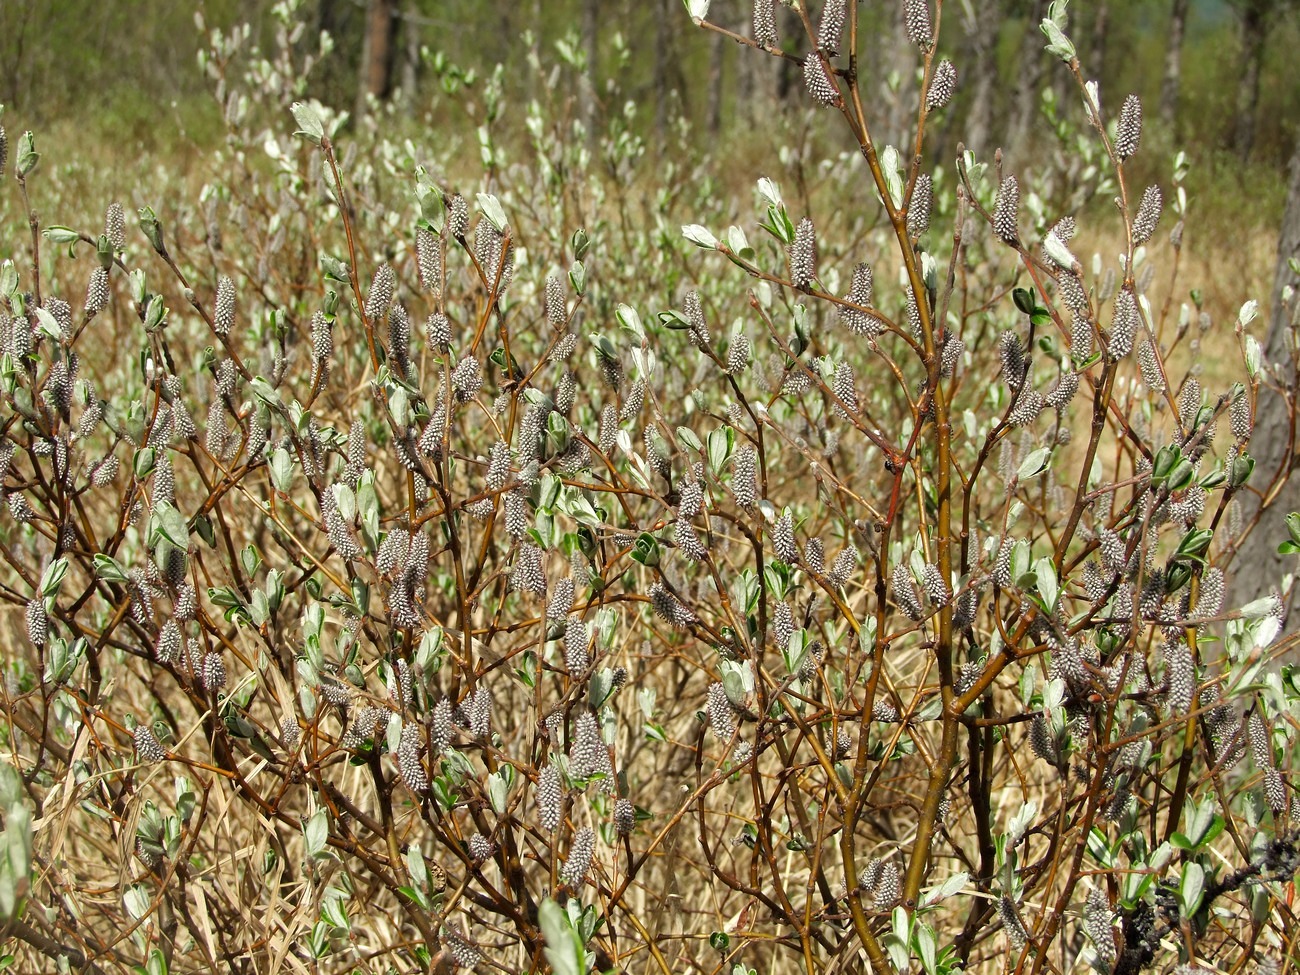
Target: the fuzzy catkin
(698, 327)
(147, 746)
(575, 868)
(764, 23)
(223, 316)
(803, 254)
(380, 295)
(916, 20)
(1123, 326)
(115, 226)
(918, 213)
(399, 339)
(1097, 919)
(457, 216)
(818, 80)
(831, 26)
(668, 607)
(905, 593)
(1150, 368)
(96, 292)
(942, 85)
(1128, 130)
(744, 476)
(428, 259)
(846, 562)
(721, 714)
(1006, 212)
(688, 541)
(1011, 922)
(38, 624)
(409, 765)
(549, 798)
(1148, 215)
(624, 817)
(936, 588)
(783, 540)
(860, 293)
(576, 656)
(737, 354)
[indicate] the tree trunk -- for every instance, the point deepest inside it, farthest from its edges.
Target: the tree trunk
(377, 53)
(1100, 30)
(411, 56)
(591, 44)
(1258, 567)
(1030, 76)
(981, 38)
(665, 17)
(1173, 78)
(717, 51)
(1254, 25)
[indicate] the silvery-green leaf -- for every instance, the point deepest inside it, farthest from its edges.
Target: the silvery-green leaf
(1035, 463)
(699, 235)
(698, 9)
(491, 208)
(1192, 887)
(315, 833)
(1058, 252)
(563, 949)
(281, 470)
(52, 578)
(47, 325)
(1254, 356)
(889, 165)
(946, 889)
(1048, 588)
(310, 126)
(1057, 43)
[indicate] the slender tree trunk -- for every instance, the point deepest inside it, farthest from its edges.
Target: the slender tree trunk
(1100, 32)
(1030, 70)
(981, 37)
(377, 55)
(664, 16)
(1258, 567)
(900, 113)
(1254, 26)
(591, 44)
(789, 86)
(717, 51)
(411, 54)
(1172, 81)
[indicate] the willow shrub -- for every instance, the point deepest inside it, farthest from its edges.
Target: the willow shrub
(398, 596)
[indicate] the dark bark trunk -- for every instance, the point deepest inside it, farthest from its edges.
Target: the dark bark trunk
(1254, 26)
(1100, 31)
(591, 44)
(664, 19)
(1258, 567)
(1172, 81)
(717, 51)
(377, 56)
(411, 55)
(981, 38)
(1029, 76)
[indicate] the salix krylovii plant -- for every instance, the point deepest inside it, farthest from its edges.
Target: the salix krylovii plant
(247, 486)
(1043, 509)
(382, 607)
